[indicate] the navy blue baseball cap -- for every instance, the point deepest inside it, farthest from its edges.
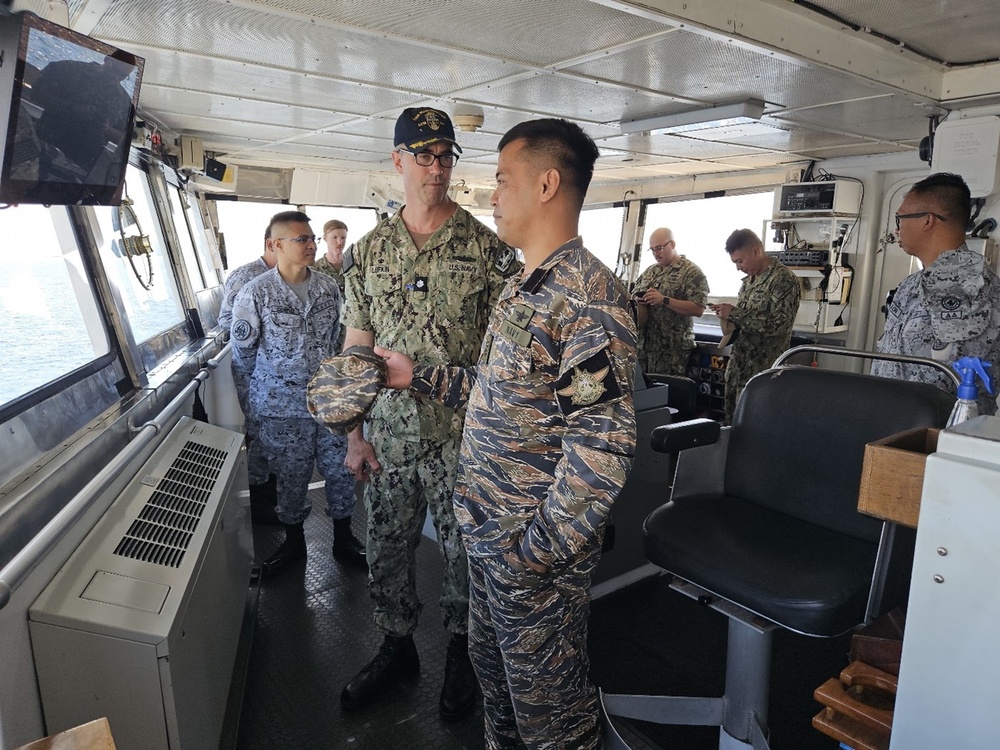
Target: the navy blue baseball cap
(419, 127)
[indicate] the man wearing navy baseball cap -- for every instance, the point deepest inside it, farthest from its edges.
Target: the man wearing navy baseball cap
(418, 128)
(425, 282)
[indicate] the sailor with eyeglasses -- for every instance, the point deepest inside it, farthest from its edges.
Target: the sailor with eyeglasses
(424, 282)
(285, 323)
(951, 307)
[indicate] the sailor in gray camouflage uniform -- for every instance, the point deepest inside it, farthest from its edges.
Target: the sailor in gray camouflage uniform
(763, 315)
(423, 282)
(285, 322)
(549, 441)
(671, 293)
(243, 275)
(256, 462)
(951, 308)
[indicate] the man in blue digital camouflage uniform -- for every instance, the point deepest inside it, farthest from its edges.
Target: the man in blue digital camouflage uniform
(262, 484)
(548, 443)
(951, 308)
(241, 276)
(424, 282)
(285, 322)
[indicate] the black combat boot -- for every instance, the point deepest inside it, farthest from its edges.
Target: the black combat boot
(458, 696)
(346, 546)
(291, 550)
(263, 499)
(397, 658)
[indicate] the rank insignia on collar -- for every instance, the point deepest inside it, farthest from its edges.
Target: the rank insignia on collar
(505, 260)
(585, 388)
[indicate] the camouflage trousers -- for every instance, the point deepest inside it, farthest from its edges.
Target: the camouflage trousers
(257, 467)
(290, 446)
(665, 361)
(528, 645)
(736, 380)
(414, 477)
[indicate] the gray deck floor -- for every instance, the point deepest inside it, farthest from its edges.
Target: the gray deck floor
(314, 632)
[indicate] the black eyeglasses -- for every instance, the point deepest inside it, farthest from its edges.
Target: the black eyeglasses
(425, 158)
(658, 248)
(300, 240)
(899, 217)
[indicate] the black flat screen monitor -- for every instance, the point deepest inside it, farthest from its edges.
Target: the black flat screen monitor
(67, 111)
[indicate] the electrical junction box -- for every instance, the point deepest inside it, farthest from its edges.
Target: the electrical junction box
(192, 153)
(970, 148)
(829, 197)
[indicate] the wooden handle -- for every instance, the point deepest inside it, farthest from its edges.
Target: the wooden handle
(858, 673)
(836, 696)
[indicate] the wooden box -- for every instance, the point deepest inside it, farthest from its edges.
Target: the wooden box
(94, 735)
(892, 476)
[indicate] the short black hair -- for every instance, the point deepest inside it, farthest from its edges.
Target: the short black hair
(563, 144)
(742, 239)
(950, 193)
(285, 217)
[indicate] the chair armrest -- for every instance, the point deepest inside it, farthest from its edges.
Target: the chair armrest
(673, 438)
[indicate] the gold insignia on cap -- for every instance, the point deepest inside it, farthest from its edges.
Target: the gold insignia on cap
(585, 388)
(430, 119)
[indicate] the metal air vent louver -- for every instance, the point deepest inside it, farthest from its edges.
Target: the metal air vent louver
(162, 531)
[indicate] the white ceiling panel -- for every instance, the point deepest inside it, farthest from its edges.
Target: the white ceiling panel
(251, 34)
(893, 118)
(974, 25)
(712, 70)
(676, 146)
(539, 33)
(578, 99)
(257, 82)
(321, 82)
(182, 102)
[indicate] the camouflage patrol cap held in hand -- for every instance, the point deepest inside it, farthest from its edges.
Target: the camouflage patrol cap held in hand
(344, 388)
(419, 127)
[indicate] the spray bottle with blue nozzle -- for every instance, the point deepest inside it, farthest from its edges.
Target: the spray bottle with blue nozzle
(965, 407)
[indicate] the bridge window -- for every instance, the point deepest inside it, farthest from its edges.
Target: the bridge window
(700, 229)
(146, 281)
(196, 273)
(601, 229)
(359, 222)
(242, 224)
(51, 320)
(204, 242)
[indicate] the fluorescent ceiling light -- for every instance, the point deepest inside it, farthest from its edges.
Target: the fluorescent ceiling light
(740, 113)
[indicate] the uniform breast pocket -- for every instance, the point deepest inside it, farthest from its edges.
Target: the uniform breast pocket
(287, 328)
(383, 288)
(325, 316)
(527, 362)
(459, 296)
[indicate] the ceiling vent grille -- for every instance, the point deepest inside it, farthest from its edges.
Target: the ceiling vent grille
(162, 531)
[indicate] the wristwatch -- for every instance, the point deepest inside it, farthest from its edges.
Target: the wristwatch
(666, 300)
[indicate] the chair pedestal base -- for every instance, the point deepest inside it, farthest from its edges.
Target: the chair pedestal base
(741, 714)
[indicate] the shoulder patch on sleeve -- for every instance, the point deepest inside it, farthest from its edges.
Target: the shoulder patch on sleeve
(242, 330)
(348, 262)
(591, 382)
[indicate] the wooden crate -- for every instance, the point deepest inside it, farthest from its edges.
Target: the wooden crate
(892, 477)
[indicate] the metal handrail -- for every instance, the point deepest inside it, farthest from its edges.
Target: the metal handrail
(860, 354)
(14, 572)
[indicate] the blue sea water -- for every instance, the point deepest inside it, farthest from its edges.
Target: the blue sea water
(42, 330)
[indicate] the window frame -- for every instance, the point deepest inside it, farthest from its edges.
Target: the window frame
(26, 401)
